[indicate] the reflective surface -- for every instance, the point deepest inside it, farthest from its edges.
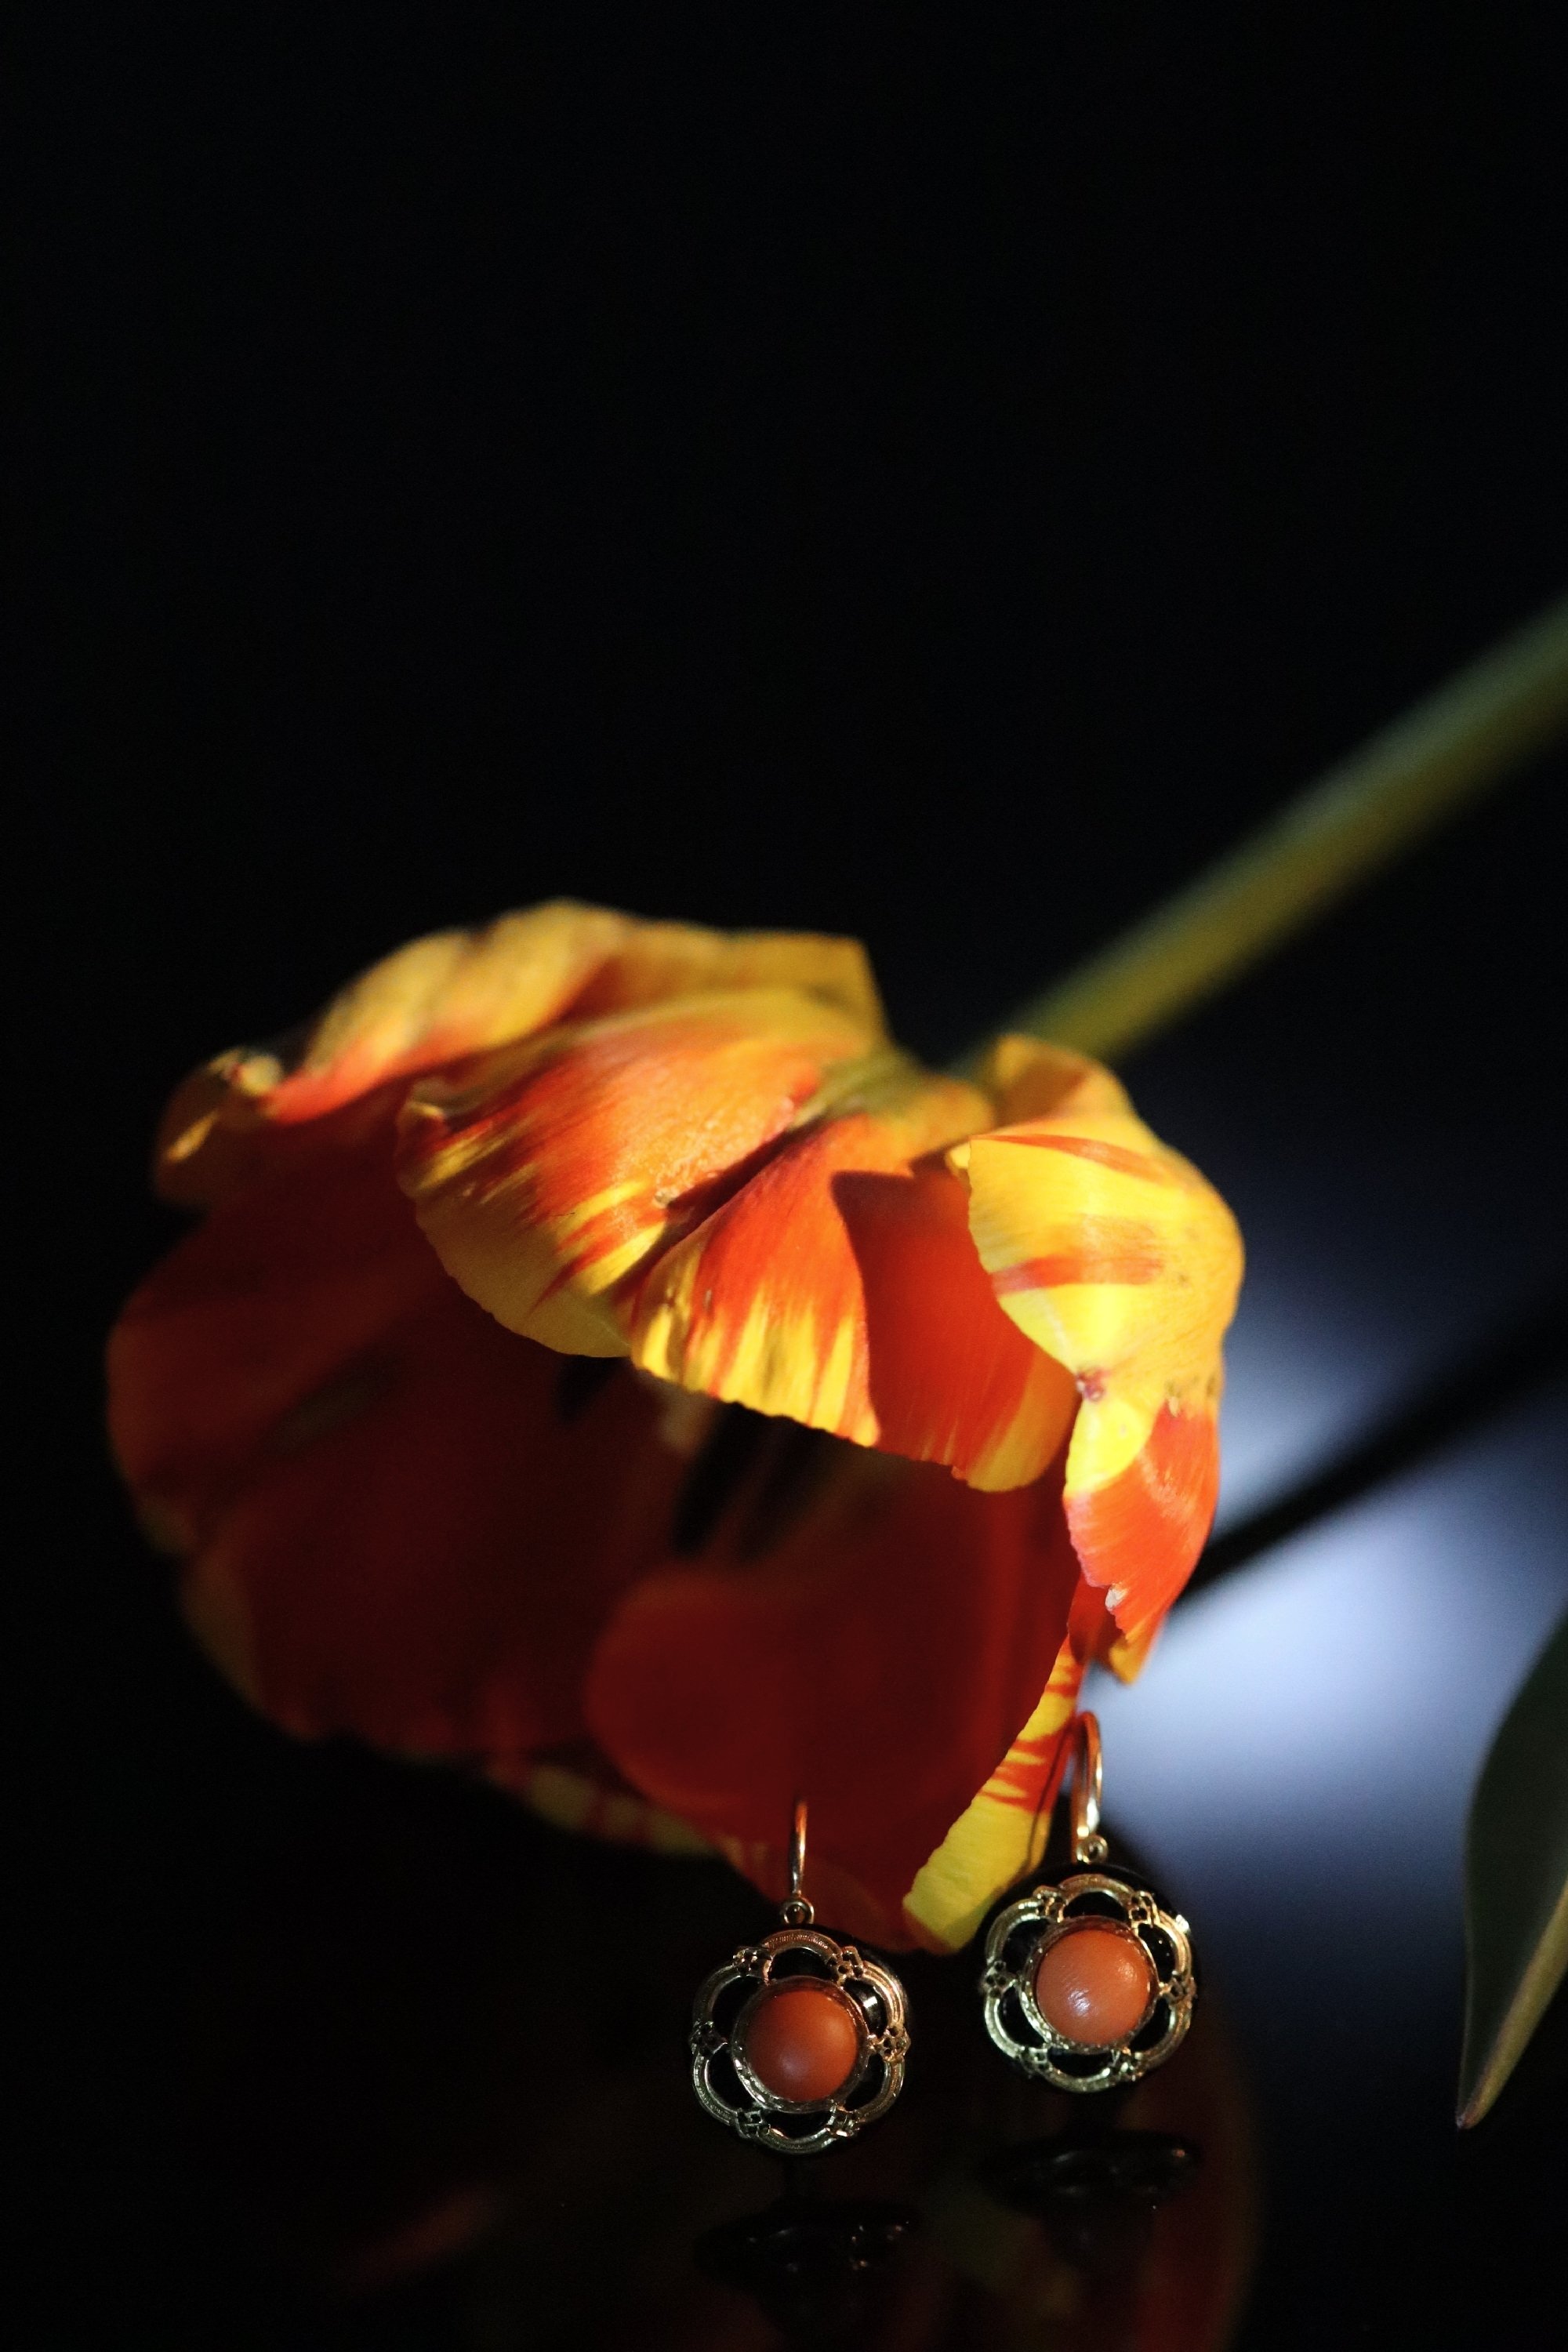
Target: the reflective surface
(944, 493)
(407, 2089)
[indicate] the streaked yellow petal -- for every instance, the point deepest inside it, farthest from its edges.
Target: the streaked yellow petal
(1028, 1079)
(550, 1176)
(838, 1287)
(1139, 1530)
(1000, 1837)
(460, 992)
(1123, 1264)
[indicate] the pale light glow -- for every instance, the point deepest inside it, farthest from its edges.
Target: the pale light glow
(1310, 1732)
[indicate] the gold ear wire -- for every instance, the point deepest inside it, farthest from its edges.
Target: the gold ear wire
(1087, 1982)
(799, 2041)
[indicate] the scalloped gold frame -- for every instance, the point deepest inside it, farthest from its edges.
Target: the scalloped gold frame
(760, 2118)
(1047, 1907)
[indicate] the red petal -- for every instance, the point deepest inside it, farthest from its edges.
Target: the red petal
(880, 1664)
(392, 1530)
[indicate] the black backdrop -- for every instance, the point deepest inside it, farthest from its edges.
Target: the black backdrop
(939, 480)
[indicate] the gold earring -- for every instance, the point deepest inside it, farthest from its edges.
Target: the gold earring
(799, 2041)
(1087, 1982)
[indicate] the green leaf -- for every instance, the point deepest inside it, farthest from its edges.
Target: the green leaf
(1516, 1882)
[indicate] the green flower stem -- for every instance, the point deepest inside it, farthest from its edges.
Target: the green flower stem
(1510, 703)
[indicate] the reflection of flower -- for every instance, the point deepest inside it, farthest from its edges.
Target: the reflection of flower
(407, 1517)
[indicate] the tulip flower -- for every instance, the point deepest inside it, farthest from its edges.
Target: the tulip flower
(608, 1361)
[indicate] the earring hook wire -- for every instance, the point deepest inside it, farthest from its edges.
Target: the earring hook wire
(797, 1911)
(1087, 1767)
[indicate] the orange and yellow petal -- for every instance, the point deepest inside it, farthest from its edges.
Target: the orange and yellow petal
(655, 962)
(840, 1288)
(1026, 1077)
(393, 1520)
(551, 1177)
(877, 1663)
(1000, 1836)
(460, 992)
(1139, 1530)
(1116, 1259)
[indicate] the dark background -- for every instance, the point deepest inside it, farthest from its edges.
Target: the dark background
(941, 481)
